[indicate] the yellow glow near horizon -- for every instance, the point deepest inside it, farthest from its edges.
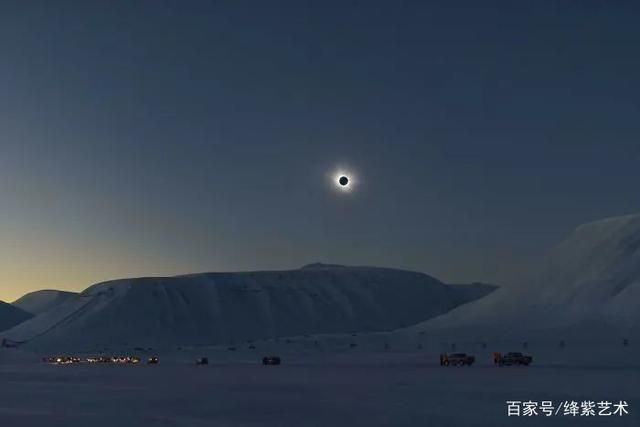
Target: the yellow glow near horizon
(22, 273)
(14, 284)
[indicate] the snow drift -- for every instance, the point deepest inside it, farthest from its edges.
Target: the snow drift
(228, 308)
(40, 301)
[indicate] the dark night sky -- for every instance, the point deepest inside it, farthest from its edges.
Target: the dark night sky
(169, 137)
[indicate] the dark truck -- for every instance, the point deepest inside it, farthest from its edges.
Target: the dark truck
(271, 360)
(456, 359)
(512, 358)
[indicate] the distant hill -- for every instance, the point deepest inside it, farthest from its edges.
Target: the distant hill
(11, 316)
(321, 266)
(215, 308)
(465, 293)
(41, 301)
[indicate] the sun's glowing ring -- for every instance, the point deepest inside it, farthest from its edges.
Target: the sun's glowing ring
(343, 181)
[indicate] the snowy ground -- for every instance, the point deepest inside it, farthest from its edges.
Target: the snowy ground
(348, 389)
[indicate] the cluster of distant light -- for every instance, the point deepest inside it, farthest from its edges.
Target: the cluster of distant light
(120, 360)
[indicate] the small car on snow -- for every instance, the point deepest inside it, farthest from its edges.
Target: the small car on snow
(512, 358)
(456, 359)
(271, 360)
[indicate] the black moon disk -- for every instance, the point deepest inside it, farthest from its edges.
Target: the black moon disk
(343, 180)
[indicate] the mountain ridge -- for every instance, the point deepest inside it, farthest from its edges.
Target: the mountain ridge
(40, 301)
(215, 308)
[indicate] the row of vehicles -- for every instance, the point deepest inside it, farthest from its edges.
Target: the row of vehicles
(446, 359)
(499, 359)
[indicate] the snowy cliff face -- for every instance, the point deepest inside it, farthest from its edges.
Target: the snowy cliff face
(592, 277)
(11, 316)
(227, 308)
(40, 301)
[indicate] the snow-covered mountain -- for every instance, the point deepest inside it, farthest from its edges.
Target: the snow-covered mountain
(588, 284)
(41, 301)
(471, 292)
(11, 316)
(215, 308)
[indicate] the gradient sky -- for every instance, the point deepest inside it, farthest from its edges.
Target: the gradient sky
(165, 137)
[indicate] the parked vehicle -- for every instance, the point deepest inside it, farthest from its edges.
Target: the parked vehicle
(456, 359)
(202, 361)
(512, 358)
(271, 360)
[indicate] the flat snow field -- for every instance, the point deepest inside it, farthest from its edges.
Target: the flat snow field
(358, 390)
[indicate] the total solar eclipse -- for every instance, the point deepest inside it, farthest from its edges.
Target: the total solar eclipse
(343, 180)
